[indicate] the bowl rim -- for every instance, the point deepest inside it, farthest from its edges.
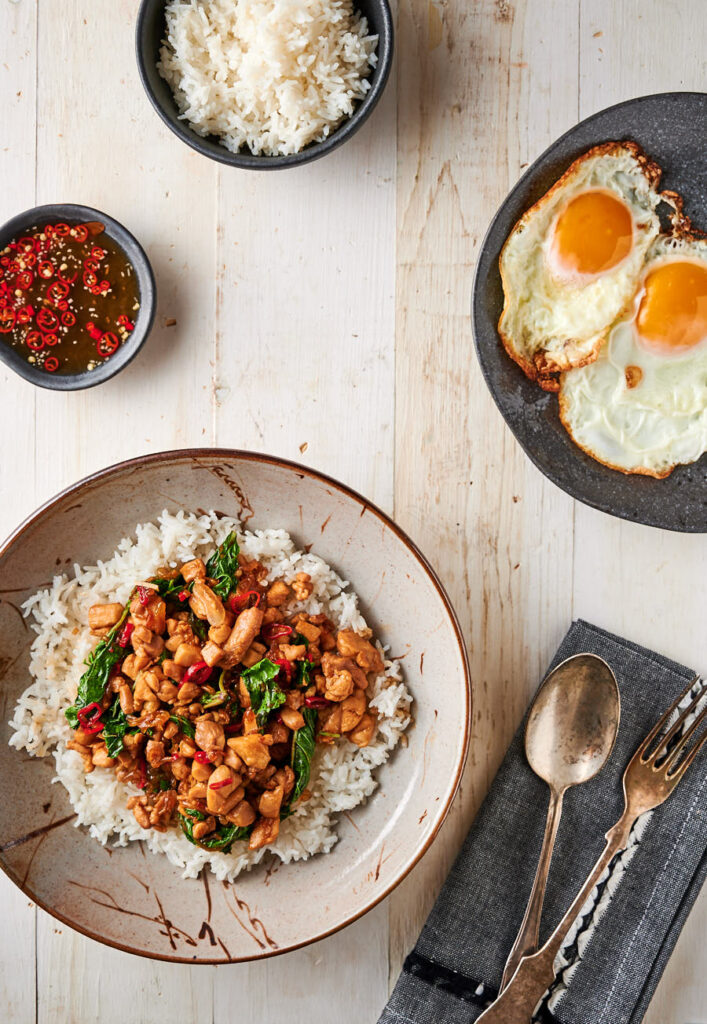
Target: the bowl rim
(249, 161)
(143, 322)
(187, 454)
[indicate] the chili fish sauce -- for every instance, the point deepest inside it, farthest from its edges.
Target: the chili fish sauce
(68, 297)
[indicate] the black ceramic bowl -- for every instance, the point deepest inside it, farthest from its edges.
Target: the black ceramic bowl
(149, 35)
(72, 214)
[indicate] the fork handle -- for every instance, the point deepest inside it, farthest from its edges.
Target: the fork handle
(518, 1001)
(529, 933)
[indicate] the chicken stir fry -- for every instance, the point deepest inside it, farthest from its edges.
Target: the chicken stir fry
(209, 691)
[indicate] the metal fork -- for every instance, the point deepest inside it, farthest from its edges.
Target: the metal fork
(650, 777)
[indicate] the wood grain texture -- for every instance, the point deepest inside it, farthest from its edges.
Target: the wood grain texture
(323, 315)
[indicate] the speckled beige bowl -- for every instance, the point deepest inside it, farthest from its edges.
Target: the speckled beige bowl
(137, 901)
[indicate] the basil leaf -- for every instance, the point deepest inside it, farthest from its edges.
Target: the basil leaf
(265, 695)
(302, 751)
(298, 638)
(223, 565)
(100, 663)
(199, 627)
(184, 724)
(303, 672)
(170, 589)
(115, 725)
(222, 839)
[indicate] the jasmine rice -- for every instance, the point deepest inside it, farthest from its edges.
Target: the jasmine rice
(342, 774)
(269, 75)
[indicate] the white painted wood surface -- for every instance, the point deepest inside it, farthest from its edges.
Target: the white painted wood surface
(322, 314)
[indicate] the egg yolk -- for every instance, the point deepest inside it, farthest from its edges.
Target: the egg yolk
(593, 233)
(673, 310)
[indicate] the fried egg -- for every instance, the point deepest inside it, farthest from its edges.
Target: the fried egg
(641, 407)
(571, 265)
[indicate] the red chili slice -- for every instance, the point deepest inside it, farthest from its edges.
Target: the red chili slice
(183, 595)
(30, 259)
(47, 320)
(237, 602)
(66, 280)
(51, 339)
(35, 340)
(7, 320)
(51, 364)
(24, 280)
(125, 634)
(67, 318)
(143, 595)
(57, 291)
(80, 233)
(317, 702)
(93, 265)
(221, 783)
(198, 673)
(62, 305)
(26, 244)
(285, 665)
(90, 279)
(107, 345)
(98, 253)
(62, 230)
(25, 314)
(201, 757)
(234, 727)
(142, 777)
(90, 718)
(46, 269)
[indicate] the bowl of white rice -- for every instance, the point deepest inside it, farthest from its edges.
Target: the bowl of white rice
(67, 839)
(264, 84)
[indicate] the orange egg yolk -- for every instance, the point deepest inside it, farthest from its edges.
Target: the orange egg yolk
(673, 310)
(593, 233)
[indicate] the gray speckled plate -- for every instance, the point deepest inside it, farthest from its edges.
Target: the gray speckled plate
(671, 129)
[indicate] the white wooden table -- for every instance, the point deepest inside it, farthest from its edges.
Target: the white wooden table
(322, 314)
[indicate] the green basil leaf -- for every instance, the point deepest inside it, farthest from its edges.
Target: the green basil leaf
(223, 565)
(170, 589)
(199, 627)
(100, 664)
(302, 752)
(115, 725)
(265, 695)
(222, 839)
(303, 673)
(184, 724)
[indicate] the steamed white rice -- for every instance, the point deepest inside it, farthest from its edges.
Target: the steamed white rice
(342, 774)
(271, 75)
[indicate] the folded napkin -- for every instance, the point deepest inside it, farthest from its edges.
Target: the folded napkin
(613, 963)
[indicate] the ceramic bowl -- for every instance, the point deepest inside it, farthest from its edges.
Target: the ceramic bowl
(150, 32)
(137, 901)
(73, 214)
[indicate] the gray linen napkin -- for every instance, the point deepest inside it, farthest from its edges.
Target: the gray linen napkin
(627, 935)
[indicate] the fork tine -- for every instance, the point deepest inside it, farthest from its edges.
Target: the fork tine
(675, 754)
(662, 721)
(663, 745)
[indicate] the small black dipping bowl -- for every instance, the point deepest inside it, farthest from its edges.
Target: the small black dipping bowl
(148, 39)
(72, 214)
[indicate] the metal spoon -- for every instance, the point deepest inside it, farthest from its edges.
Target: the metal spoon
(569, 736)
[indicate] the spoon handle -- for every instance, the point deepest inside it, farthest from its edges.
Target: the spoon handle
(529, 933)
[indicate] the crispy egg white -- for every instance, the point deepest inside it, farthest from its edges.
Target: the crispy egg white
(641, 407)
(571, 265)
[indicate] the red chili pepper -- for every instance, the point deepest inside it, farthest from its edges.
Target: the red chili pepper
(201, 757)
(30, 259)
(143, 595)
(47, 320)
(126, 322)
(5, 261)
(220, 784)
(46, 269)
(183, 595)
(198, 674)
(97, 252)
(57, 290)
(67, 318)
(24, 280)
(90, 279)
(62, 230)
(25, 314)
(92, 265)
(234, 726)
(35, 340)
(274, 630)
(285, 665)
(7, 320)
(317, 702)
(237, 602)
(51, 364)
(104, 286)
(142, 778)
(93, 330)
(62, 305)
(80, 233)
(125, 634)
(26, 244)
(107, 345)
(90, 723)
(51, 339)
(67, 280)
